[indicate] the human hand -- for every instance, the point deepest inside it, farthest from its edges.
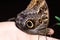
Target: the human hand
(8, 31)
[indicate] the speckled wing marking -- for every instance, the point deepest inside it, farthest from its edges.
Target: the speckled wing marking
(34, 19)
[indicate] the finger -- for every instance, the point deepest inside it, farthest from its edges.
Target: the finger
(51, 31)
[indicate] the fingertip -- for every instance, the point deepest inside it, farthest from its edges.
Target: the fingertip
(51, 31)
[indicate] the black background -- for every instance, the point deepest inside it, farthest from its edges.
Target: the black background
(11, 8)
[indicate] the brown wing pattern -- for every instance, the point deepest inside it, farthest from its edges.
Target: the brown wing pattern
(34, 19)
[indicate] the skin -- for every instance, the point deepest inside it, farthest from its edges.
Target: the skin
(8, 31)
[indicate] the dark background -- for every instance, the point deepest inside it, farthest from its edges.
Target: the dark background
(11, 8)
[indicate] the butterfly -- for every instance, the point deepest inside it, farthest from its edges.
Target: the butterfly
(34, 19)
